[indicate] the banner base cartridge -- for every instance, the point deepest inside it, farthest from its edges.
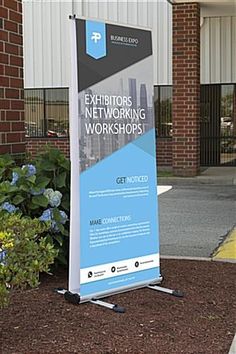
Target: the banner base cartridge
(75, 299)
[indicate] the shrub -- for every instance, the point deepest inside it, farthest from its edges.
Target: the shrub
(40, 190)
(24, 253)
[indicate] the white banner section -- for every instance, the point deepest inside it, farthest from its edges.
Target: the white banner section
(111, 270)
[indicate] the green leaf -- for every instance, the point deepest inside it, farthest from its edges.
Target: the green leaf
(56, 215)
(48, 166)
(13, 189)
(18, 199)
(61, 258)
(58, 238)
(65, 204)
(49, 239)
(65, 232)
(31, 179)
(65, 164)
(6, 188)
(3, 198)
(40, 200)
(60, 227)
(42, 181)
(32, 206)
(2, 170)
(24, 188)
(54, 154)
(6, 161)
(60, 180)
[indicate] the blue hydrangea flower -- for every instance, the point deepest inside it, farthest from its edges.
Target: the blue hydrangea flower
(54, 226)
(46, 216)
(64, 217)
(8, 207)
(54, 198)
(31, 170)
(48, 193)
(41, 191)
(63, 220)
(2, 256)
(15, 178)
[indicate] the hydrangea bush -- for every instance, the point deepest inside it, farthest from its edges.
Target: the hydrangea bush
(39, 189)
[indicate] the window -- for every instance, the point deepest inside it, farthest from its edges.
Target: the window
(218, 125)
(228, 125)
(163, 110)
(47, 112)
(226, 110)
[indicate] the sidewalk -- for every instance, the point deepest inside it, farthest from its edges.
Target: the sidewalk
(211, 176)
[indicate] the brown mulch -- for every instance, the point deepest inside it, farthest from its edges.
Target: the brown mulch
(203, 322)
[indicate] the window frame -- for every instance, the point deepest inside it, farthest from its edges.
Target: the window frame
(157, 115)
(45, 118)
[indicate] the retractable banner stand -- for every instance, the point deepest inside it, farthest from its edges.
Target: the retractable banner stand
(114, 234)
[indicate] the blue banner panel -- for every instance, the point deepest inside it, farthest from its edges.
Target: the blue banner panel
(119, 216)
(114, 243)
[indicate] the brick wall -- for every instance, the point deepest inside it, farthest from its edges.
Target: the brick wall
(186, 89)
(12, 135)
(33, 145)
(164, 152)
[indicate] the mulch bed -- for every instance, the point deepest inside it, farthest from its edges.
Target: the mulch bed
(203, 322)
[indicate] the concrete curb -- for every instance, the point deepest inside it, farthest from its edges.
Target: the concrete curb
(226, 260)
(205, 259)
(183, 181)
(187, 258)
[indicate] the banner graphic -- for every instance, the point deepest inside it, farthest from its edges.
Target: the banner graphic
(114, 238)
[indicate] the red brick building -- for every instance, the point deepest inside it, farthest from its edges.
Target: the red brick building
(12, 127)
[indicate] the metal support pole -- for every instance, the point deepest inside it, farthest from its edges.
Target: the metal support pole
(109, 306)
(177, 293)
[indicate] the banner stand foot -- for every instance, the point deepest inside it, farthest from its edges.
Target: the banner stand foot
(177, 293)
(73, 298)
(109, 306)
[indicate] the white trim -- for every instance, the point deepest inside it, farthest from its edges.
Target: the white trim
(74, 261)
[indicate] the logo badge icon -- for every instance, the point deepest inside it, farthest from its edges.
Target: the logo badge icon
(96, 39)
(96, 36)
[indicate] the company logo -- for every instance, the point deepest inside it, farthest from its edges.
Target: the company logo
(96, 36)
(122, 40)
(96, 39)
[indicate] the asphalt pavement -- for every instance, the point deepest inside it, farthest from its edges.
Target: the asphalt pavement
(193, 218)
